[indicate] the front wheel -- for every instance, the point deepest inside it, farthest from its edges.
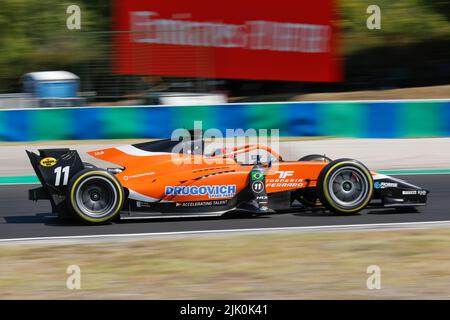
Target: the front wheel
(345, 186)
(95, 196)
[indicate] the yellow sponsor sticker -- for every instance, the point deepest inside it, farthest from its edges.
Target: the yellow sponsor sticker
(48, 162)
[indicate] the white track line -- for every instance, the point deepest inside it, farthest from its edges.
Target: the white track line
(351, 227)
(19, 183)
(398, 173)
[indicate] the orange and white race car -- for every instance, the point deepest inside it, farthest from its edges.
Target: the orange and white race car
(166, 178)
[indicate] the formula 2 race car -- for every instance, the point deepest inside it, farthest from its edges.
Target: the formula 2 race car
(166, 178)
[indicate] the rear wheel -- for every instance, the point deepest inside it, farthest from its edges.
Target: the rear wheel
(95, 196)
(345, 186)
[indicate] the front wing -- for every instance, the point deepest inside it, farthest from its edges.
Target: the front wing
(393, 192)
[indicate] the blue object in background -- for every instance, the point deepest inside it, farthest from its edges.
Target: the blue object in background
(369, 119)
(382, 119)
(51, 84)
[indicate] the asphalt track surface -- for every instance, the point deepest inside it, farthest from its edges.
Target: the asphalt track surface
(21, 218)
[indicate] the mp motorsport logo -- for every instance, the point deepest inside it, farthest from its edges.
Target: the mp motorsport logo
(212, 191)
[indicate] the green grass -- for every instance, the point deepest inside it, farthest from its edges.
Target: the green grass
(414, 264)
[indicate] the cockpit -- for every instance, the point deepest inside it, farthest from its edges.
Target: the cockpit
(248, 154)
(245, 154)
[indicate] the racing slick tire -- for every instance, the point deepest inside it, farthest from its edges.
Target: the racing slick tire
(345, 186)
(308, 196)
(95, 196)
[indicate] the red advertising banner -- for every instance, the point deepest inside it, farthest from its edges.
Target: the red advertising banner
(241, 39)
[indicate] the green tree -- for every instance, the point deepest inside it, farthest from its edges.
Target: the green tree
(34, 37)
(402, 22)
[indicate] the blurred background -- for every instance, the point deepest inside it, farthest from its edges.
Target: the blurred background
(112, 59)
(128, 56)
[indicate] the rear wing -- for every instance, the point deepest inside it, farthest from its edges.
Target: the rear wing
(54, 168)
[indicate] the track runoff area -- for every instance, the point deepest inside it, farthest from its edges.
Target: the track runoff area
(21, 219)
